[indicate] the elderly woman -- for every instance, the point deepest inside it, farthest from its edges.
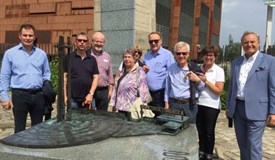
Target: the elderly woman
(130, 84)
(209, 101)
(137, 55)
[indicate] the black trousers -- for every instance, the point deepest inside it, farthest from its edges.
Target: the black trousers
(158, 100)
(27, 102)
(101, 98)
(206, 123)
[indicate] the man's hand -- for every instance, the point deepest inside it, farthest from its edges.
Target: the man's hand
(88, 99)
(271, 120)
(226, 113)
(7, 105)
(146, 68)
(166, 105)
(193, 77)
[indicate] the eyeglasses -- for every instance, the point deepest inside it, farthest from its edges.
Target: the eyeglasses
(156, 41)
(182, 53)
(82, 40)
(209, 55)
(137, 52)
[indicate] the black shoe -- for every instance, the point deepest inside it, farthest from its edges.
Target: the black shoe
(202, 155)
(209, 156)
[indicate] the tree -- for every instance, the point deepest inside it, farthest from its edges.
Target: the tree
(232, 50)
(230, 39)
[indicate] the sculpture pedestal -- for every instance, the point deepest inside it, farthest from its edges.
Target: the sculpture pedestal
(124, 143)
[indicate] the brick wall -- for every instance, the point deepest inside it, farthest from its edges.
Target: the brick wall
(60, 17)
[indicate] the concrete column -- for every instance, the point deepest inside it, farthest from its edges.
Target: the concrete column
(268, 27)
(125, 23)
(97, 15)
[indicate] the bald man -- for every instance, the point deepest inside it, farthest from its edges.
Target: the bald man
(106, 80)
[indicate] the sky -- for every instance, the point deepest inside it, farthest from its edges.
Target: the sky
(244, 15)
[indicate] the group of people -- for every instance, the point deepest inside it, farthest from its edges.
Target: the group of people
(171, 79)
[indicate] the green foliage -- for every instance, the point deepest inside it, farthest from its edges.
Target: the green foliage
(231, 40)
(225, 88)
(54, 71)
(232, 51)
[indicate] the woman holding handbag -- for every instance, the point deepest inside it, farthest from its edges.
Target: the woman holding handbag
(130, 86)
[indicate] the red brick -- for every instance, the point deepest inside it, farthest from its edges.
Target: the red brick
(42, 8)
(63, 8)
(82, 3)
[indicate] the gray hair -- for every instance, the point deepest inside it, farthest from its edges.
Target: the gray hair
(181, 44)
(250, 32)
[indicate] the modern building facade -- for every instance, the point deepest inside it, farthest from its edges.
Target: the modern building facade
(124, 22)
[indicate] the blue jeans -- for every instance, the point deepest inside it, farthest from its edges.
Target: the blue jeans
(189, 111)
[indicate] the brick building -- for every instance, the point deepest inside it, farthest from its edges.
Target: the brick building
(124, 22)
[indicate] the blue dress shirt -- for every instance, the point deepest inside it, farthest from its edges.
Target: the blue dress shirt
(23, 70)
(177, 85)
(158, 65)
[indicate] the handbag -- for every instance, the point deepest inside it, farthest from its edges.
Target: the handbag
(135, 108)
(110, 108)
(149, 97)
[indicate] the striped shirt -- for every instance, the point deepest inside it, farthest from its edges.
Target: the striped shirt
(105, 68)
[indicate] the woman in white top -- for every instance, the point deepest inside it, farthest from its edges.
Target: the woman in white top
(209, 101)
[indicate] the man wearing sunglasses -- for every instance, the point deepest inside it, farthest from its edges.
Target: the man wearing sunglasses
(179, 83)
(156, 62)
(84, 74)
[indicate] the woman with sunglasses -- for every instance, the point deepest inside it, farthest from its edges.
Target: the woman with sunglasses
(209, 101)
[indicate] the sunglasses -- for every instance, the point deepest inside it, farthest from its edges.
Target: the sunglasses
(156, 41)
(181, 53)
(82, 40)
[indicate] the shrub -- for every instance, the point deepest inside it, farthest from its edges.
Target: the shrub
(54, 71)
(225, 90)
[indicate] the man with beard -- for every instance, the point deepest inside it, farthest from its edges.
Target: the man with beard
(106, 80)
(84, 74)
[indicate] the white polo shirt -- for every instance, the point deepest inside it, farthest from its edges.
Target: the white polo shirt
(207, 97)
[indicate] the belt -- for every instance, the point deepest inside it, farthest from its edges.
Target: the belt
(157, 91)
(240, 100)
(30, 91)
(102, 88)
(180, 100)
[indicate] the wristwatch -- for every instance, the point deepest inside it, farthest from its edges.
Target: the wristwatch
(91, 93)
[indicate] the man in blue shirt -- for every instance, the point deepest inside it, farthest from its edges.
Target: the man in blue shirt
(24, 68)
(178, 83)
(157, 60)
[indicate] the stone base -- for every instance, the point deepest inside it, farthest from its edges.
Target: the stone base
(154, 147)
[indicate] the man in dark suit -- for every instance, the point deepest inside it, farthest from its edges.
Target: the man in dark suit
(251, 96)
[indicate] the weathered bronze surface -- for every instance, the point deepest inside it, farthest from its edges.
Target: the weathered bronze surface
(85, 127)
